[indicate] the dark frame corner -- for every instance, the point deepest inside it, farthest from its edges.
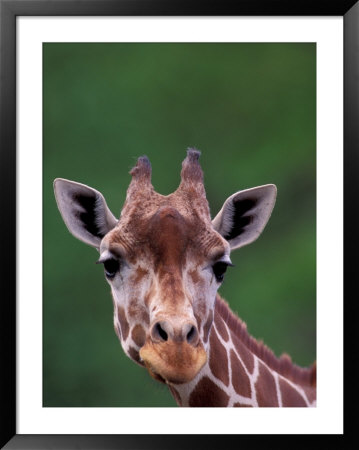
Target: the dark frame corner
(9, 10)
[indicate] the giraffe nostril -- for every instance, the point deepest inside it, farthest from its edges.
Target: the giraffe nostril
(192, 335)
(164, 331)
(159, 333)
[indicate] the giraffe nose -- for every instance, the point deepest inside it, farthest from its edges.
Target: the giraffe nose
(164, 330)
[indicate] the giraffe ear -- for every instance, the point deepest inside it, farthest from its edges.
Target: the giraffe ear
(245, 214)
(84, 211)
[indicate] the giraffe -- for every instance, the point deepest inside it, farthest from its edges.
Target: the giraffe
(164, 259)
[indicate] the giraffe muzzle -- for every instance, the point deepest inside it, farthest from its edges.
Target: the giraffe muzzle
(174, 362)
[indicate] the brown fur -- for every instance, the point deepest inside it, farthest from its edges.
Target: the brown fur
(137, 311)
(240, 379)
(133, 353)
(244, 353)
(138, 335)
(310, 393)
(290, 396)
(282, 365)
(206, 393)
(191, 170)
(142, 170)
(266, 388)
(168, 238)
(221, 328)
(123, 322)
(140, 273)
(194, 276)
(207, 327)
(150, 294)
(218, 360)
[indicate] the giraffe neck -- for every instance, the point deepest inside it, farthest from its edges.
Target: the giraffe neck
(240, 371)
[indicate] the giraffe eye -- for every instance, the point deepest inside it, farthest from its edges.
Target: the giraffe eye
(111, 267)
(219, 269)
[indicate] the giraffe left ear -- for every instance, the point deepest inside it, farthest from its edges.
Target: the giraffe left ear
(245, 214)
(84, 211)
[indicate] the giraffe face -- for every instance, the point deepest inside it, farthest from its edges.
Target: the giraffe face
(164, 272)
(164, 259)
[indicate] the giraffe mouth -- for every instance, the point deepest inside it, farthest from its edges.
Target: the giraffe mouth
(173, 363)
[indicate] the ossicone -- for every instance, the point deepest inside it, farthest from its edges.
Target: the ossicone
(142, 170)
(141, 179)
(191, 169)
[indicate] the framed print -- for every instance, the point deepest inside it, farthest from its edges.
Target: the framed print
(87, 89)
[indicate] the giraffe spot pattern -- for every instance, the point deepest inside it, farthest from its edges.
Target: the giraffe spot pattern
(137, 312)
(194, 276)
(240, 379)
(138, 335)
(310, 393)
(221, 328)
(290, 396)
(134, 354)
(244, 353)
(150, 294)
(266, 387)
(123, 322)
(175, 395)
(242, 405)
(207, 393)
(198, 320)
(207, 327)
(139, 274)
(218, 359)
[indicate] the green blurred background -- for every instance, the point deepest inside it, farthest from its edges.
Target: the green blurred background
(250, 109)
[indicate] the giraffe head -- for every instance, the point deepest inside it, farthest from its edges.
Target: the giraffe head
(164, 259)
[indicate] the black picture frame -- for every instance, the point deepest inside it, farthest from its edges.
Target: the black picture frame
(9, 10)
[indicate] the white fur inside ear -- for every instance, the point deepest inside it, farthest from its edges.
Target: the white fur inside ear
(245, 214)
(227, 218)
(102, 221)
(84, 211)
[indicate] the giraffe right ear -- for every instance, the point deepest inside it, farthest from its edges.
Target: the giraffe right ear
(245, 214)
(84, 211)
